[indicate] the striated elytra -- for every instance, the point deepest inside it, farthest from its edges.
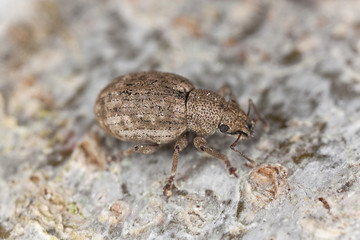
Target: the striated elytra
(154, 108)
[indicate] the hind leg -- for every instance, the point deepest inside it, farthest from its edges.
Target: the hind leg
(144, 149)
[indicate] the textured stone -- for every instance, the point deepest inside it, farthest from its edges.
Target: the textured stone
(61, 177)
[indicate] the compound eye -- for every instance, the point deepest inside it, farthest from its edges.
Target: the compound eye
(223, 128)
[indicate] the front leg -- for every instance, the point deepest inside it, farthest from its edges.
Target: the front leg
(201, 145)
(180, 145)
(225, 91)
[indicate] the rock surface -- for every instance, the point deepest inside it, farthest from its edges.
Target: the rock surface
(61, 177)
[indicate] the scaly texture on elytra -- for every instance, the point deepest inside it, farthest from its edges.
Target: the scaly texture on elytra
(144, 107)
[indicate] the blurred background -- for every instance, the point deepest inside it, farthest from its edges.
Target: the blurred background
(61, 177)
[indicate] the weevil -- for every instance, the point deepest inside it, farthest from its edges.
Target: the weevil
(155, 108)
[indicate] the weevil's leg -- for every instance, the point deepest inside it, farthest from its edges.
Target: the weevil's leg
(180, 145)
(201, 145)
(258, 116)
(225, 91)
(145, 149)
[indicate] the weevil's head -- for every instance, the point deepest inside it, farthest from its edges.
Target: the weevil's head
(235, 122)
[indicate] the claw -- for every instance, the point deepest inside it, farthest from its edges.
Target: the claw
(232, 171)
(250, 165)
(167, 188)
(167, 192)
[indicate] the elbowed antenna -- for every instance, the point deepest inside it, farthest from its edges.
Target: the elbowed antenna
(252, 162)
(266, 128)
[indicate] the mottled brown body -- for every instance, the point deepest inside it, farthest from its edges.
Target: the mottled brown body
(158, 108)
(144, 107)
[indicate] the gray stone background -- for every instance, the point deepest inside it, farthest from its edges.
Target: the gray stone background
(61, 176)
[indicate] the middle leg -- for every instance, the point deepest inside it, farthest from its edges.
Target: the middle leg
(201, 145)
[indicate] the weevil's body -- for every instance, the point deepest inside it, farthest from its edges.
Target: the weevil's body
(155, 107)
(144, 107)
(158, 108)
